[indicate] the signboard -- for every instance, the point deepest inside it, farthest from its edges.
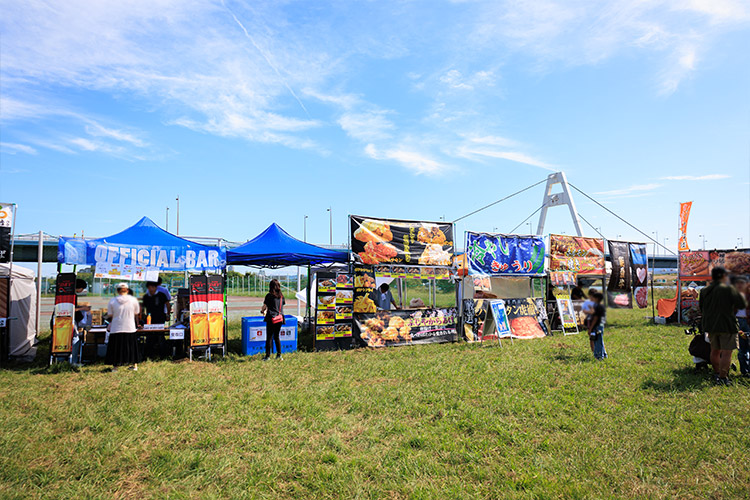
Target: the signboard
(563, 278)
(475, 318)
(176, 333)
(639, 265)
(619, 292)
(567, 314)
(500, 318)
(398, 327)
(6, 230)
(500, 255)
(325, 306)
(364, 286)
(344, 304)
(583, 256)
(523, 317)
(694, 265)
(63, 327)
(381, 241)
(734, 261)
(198, 311)
(215, 285)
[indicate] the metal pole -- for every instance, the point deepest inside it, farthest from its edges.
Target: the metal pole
(39, 255)
(178, 215)
(167, 224)
(330, 226)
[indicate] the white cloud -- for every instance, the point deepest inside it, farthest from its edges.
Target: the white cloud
(368, 126)
(97, 130)
(417, 162)
(635, 190)
(707, 177)
(13, 148)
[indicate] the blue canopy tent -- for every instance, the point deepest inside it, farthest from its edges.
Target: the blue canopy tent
(274, 247)
(142, 246)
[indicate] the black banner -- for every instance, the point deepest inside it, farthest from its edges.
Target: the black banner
(619, 294)
(475, 318)
(364, 286)
(391, 328)
(378, 241)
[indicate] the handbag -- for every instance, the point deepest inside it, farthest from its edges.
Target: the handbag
(279, 317)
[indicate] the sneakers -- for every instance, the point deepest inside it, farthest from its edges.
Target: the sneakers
(722, 381)
(266, 358)
(133, 368)
(279, 358)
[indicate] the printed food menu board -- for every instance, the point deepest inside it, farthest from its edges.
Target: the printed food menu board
(379, 241)
(325, 310)
(344, 305)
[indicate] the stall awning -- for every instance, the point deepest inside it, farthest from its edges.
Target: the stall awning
(142, 246)
(274, 247)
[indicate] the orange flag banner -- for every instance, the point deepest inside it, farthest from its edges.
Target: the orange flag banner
(684, 216)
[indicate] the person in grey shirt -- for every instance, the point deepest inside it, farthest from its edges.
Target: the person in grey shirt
(384, 298)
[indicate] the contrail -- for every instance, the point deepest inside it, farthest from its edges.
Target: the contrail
(273, 67)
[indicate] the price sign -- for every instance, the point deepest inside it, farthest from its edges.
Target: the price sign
(176, 334)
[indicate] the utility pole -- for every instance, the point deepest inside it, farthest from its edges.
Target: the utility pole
(167, 225)
(178, 214)
(330, 226)
(657, 241)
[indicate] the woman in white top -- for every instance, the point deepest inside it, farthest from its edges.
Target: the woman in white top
(122, 347)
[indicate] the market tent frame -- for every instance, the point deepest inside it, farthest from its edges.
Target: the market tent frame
(274, 248)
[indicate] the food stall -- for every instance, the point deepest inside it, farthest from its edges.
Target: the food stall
(140, 253)
(414, 258)
(695, 271)
(275, 248)
(503, 274)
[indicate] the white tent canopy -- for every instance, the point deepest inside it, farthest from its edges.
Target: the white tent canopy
(22, 311)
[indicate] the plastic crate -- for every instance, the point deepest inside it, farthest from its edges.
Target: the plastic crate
(254, 335)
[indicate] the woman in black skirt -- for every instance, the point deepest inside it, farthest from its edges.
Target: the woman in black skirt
(273, 309)
(122, 347)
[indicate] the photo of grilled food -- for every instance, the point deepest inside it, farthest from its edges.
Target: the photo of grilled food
(364, 281)
(373, 230)
(326, 284)
(326, 315)
(344, 294)
(385, 328)
(344, 279)
(343, 328)
(377, 252)
(325, 330)
(326, 300)
(431, 233)
(434, 255)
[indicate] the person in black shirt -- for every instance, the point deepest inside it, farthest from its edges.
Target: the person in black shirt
(156, 304)
(273, 307)
(596, 326)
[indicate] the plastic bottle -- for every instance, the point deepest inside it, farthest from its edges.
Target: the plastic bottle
(148, 319)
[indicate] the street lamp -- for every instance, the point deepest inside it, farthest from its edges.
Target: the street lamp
(529, 224)
(178, 214)
(740, 240)
(657, 239)
(703, 236)
(304, 224)
(666, 238)
(167, 220)
(330, 226)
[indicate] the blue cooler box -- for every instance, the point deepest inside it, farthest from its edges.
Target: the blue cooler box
(254, 335)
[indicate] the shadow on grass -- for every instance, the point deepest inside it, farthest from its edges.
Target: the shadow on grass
(573, 356)
(684, 379)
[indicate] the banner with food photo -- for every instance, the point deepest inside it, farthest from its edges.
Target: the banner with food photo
(567, 314)
(694, 265)
(215, 284)
(6, 230)
(639, 264)
(364, 286)
(563, 278)
(496, 254)
(475, 318)
(198, 311)
(398, 327)
(735, 261)
(62, 328)
(411, 243)
(583, 256)
(619, 294)
(523, 317)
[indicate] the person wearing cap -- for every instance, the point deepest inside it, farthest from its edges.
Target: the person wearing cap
(122, 347)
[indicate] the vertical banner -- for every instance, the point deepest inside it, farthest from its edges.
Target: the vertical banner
(500, 317)
(215, 309)
(523, 318)
(619, 293)
(639, 263)
(198, 311)
(364, 286)
(541, 314)
(684, 216)
(62, 329)
(344, 301)
(6, 230)
(325, 306)
(567, 314)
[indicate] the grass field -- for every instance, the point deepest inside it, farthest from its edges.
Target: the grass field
(536, 419)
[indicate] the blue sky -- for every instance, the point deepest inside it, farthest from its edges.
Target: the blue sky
(264, 112)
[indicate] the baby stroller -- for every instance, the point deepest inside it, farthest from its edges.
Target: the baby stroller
(700, 345)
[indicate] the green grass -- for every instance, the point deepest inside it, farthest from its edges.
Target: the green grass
(535, 419)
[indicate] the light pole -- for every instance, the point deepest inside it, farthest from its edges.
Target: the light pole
(666, 238)
(167, 225)
(657, 239)
(703, 237)
(330, 226)
(178, 214)
(740, 240)
(529, 224)
(304, 230)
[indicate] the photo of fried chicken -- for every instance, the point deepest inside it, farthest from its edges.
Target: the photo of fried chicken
(373, 231)
(434, 255)
(431, 233)
(377, 252)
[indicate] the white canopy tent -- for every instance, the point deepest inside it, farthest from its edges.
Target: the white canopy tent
(22, 311)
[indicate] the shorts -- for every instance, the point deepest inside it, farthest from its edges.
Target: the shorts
(724, 341)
